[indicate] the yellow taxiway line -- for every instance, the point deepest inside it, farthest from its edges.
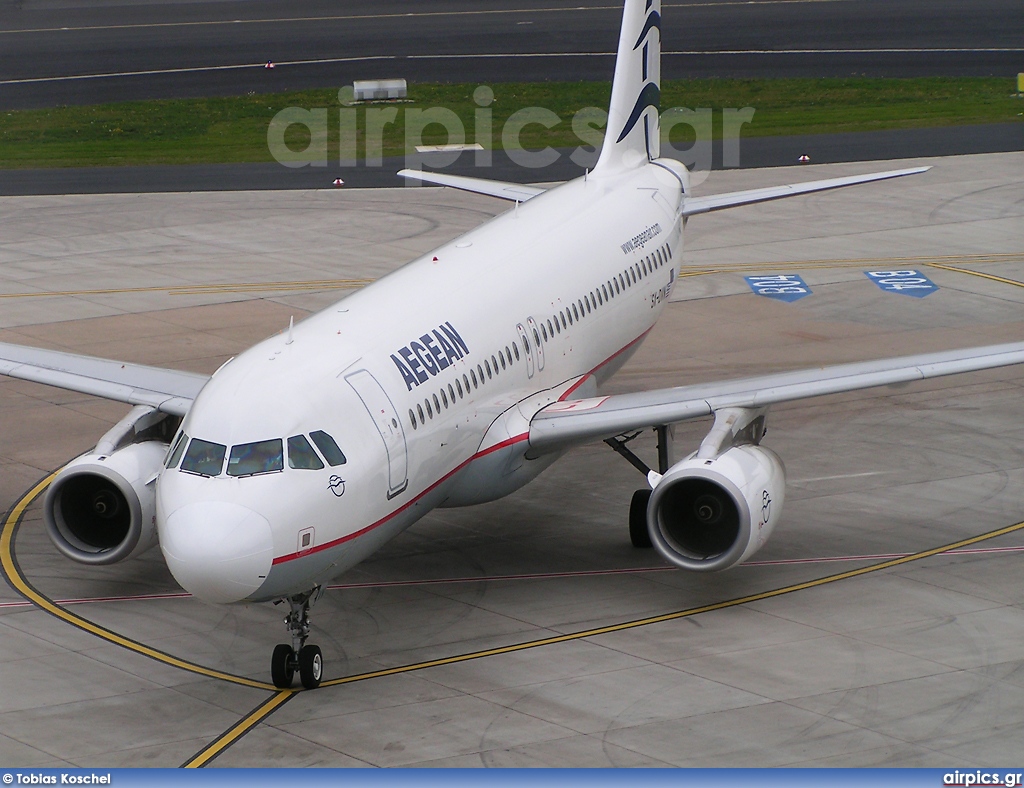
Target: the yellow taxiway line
(12, 571)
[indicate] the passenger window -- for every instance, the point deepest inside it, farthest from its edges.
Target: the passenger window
(175, 453)
(302, 456)
(487, 366)
(515, 349)
(472, 373)
(204, 458)
(575, 312)
(458, 386)
(437, 405)
(544, 331)
(451, 392)
(600, 301)
(430, 413)
(412, 421)
(551, 329)
(494, 362)
(419, 412)
(588, 306)
(444, 398)
(328, 448)
(465, 380)
(501, 356)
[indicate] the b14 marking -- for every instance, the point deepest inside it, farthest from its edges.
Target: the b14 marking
(911, 283)
(782, 287)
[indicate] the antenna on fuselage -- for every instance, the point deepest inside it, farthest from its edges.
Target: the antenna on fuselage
(291, 324)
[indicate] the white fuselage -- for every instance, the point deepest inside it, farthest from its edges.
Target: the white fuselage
(427, 381)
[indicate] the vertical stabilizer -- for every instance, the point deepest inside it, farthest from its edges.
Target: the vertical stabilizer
(632, 134)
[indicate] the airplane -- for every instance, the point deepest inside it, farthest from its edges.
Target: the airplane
(452, 381)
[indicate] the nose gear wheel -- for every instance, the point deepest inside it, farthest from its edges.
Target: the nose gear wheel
(306, 659)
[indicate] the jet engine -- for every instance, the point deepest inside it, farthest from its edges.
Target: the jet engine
(710, 514)
(101, 507)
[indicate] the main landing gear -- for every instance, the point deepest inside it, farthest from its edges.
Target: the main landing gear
(308, 660)
(639, 535)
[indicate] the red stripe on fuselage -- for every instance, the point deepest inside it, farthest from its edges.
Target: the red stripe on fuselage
(328, 545)
(608, 360)
(483, 453)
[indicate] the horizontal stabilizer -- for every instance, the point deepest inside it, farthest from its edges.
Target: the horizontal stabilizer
(716, 202)
(506, 191)
(572, 422)
(168, 390)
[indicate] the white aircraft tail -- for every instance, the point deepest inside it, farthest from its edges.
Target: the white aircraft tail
(632, 135)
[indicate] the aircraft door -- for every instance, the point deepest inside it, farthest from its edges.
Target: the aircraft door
(527, 348)
(535, 331)
(388, 424)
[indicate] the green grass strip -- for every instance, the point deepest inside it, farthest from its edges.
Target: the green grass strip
(234, 129)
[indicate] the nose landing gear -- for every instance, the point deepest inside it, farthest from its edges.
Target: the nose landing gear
(308, 660)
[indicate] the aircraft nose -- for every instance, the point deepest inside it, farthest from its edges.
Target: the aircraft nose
(218, 551)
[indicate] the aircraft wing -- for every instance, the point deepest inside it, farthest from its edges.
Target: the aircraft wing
(504, 190)
(716, 202)
(564, 424)
(167, 390)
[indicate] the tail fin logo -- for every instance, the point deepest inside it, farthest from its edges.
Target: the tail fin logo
(650, 96)
(653, 20)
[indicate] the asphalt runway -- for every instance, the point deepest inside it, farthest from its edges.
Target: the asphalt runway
(753, 152)
(852, 639)
(93, 52)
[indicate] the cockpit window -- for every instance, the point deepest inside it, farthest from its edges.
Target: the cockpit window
(328, 448)
(204, 458)
(175, 453)
(248, 459)
(301, 454)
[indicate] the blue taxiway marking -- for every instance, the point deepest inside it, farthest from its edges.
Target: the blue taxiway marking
(782, 287)
(911, 283)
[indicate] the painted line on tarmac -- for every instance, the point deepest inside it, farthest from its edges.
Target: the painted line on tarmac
(831, 559)
(412, 15)
(200, 289)
(642, 622)
(993, 277)
(12, 571)
(936, 262)
(261, 713)
(237, 731)
(514, 56)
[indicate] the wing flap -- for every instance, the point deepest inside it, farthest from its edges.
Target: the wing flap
(716, 202)
(506, 191)
(566, 423)
(170, 391)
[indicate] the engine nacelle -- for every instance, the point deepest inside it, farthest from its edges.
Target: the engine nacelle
(707, 515)
(100, 508)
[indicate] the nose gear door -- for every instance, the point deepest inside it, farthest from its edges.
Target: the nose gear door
(388, 424)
